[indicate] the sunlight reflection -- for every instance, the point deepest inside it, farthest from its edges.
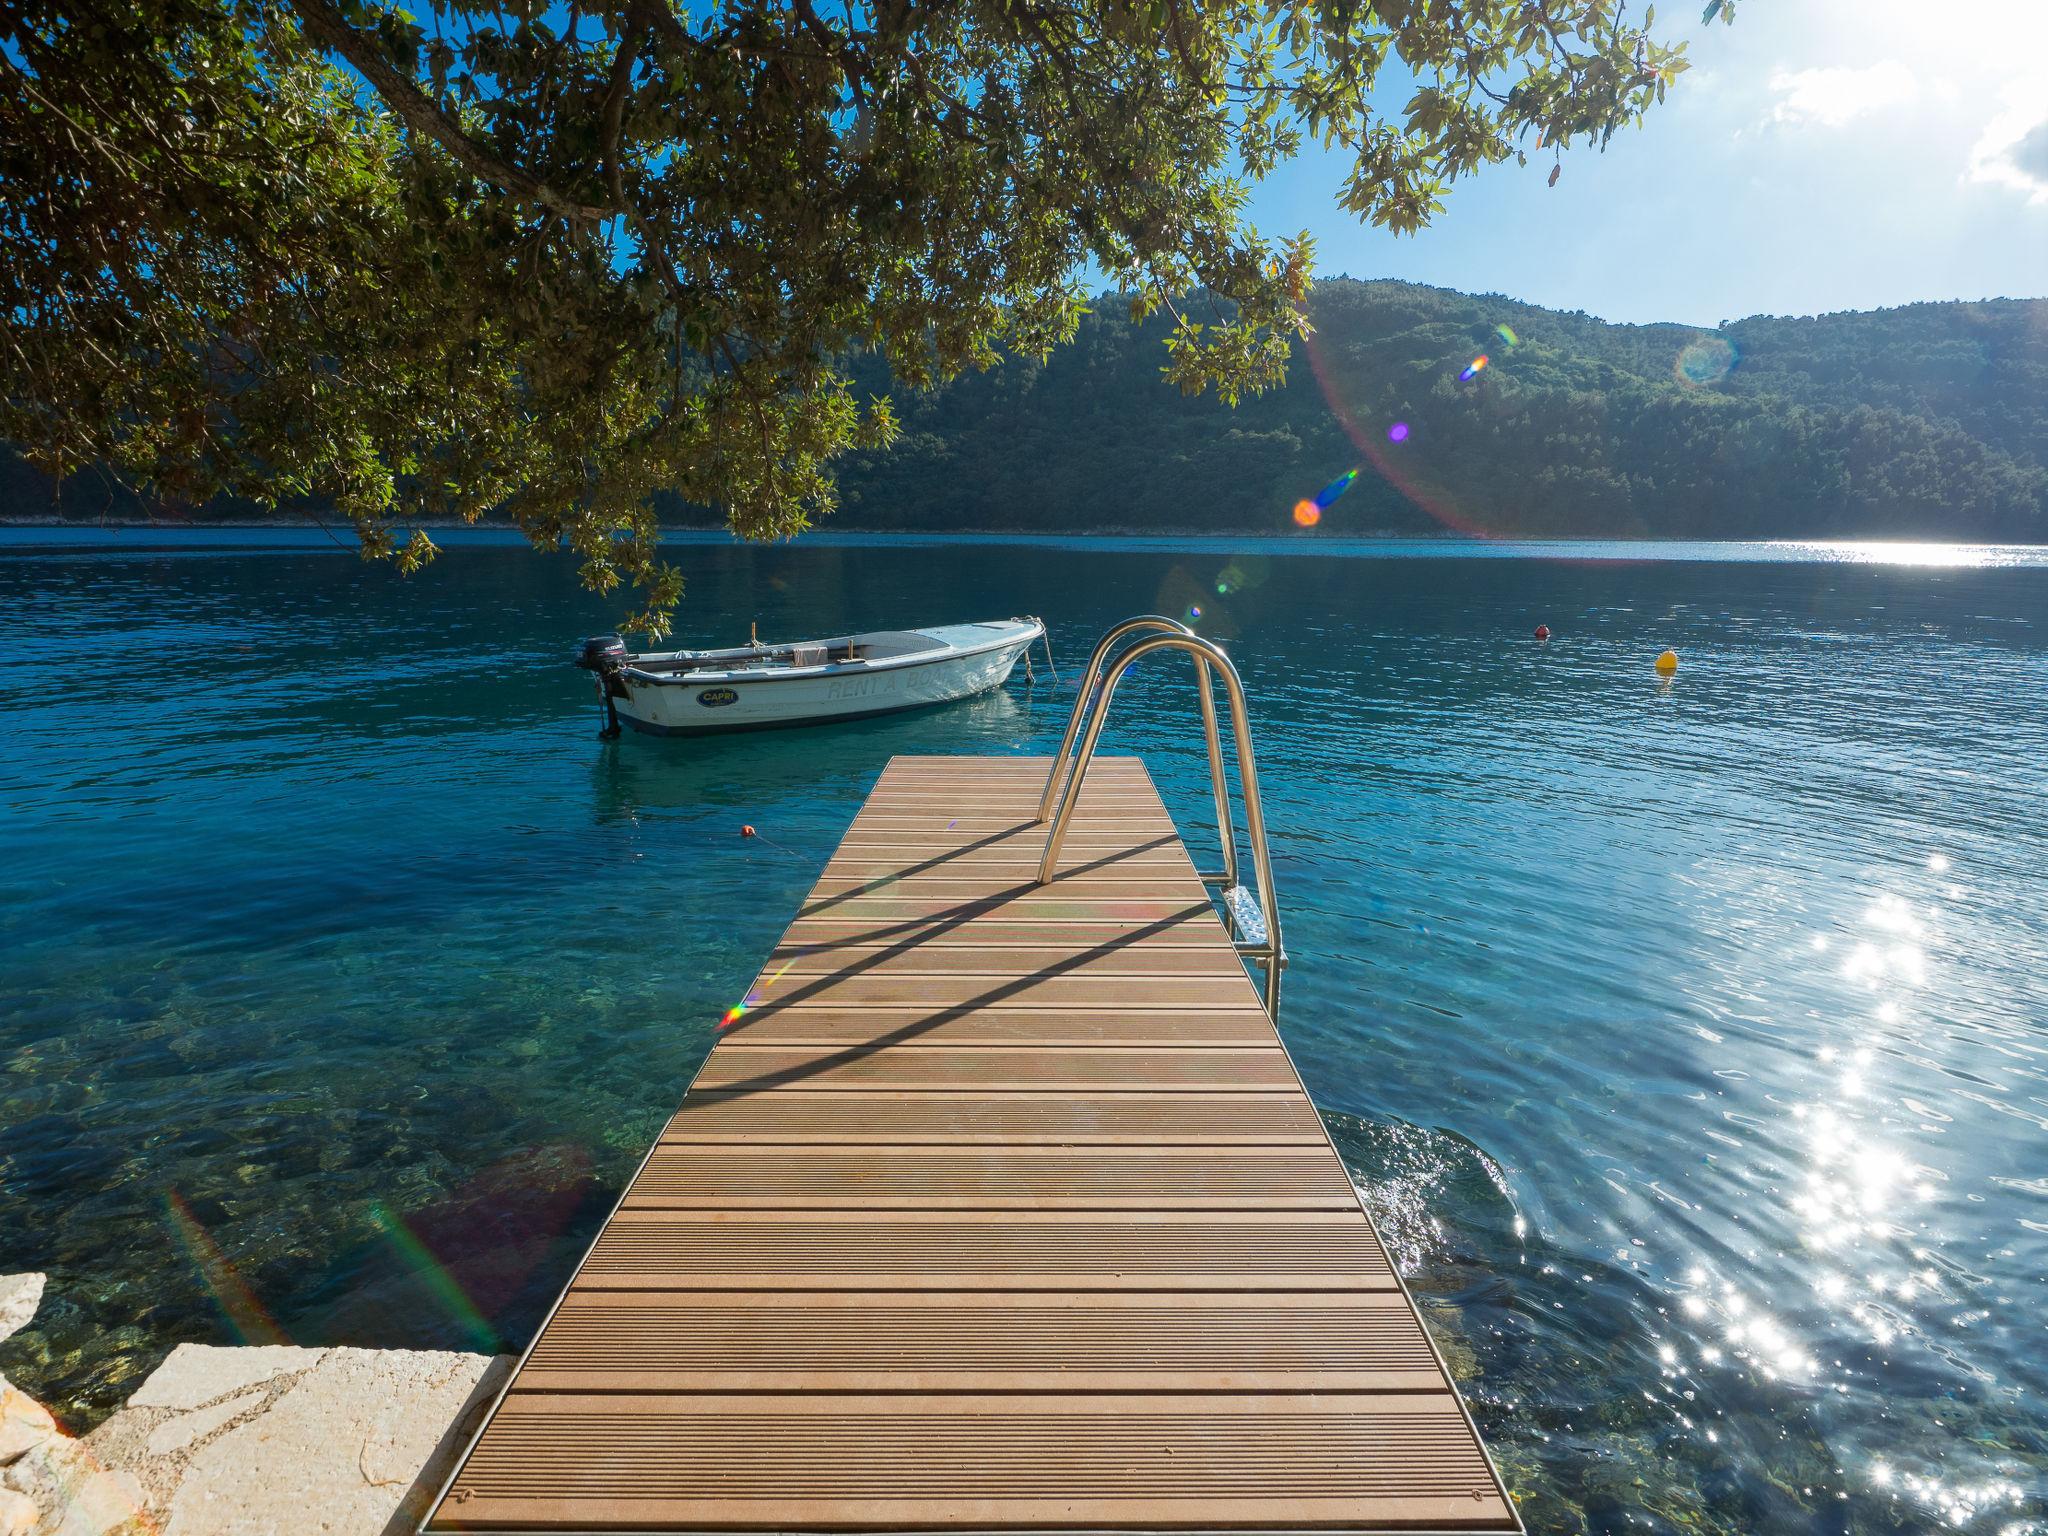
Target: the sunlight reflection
(1956, 1503)
(1854, 1188)
(1861, 1200)
(1751, 1336)
(1887, 552)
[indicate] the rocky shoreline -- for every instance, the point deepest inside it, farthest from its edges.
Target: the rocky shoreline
(255, 1441)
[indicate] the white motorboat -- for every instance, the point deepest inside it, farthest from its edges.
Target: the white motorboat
(752, 687)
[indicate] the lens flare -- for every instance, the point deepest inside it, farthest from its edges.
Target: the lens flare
(1242, 573)
(1194, 613)
(1309, 512)
(1474, 368)
(1704, 360)
(1407, 472)
(1398, 432)
(1336, 488)
(438, 1280)
(245, 1313)
(738, 1010)
(1507, 334)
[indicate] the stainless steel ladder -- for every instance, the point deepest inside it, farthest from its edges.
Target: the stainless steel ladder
(1253, 915)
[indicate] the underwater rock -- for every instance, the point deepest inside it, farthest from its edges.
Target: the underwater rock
(1448, 1331)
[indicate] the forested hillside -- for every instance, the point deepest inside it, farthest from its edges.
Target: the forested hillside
(1924, 422)
(1929, 421)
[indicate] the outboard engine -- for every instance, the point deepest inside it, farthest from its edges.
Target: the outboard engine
(602, 654)
(605, 655)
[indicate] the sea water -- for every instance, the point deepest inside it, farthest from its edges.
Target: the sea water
(1688, 1039)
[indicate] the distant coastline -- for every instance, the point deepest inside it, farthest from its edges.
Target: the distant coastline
(698, 531)
(1920, 423)
(60, 538)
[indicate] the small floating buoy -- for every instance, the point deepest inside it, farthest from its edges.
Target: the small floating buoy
(1542, 631)
(1667, 663)
(746, 831)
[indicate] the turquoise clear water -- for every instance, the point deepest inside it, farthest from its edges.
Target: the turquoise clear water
(1688, 1039)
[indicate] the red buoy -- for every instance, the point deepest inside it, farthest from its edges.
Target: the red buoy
(1542, 631)
(747, 832)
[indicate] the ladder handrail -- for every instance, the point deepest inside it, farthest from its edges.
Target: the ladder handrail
(1225, 829)
(1266, 949)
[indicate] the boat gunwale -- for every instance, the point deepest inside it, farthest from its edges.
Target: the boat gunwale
(1029, 631)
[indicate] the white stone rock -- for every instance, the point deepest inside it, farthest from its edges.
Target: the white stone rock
(45, 1472)
(17, 1513)
(100, 1504)
(20, 1295)
(75, 1495)
(259, 1442)
(187, 1429)
(198, 1374)
(24, 1423)
(362, 1436)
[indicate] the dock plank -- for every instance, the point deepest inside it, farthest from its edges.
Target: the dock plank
(977, 1178)
(829, 1068)
(796, 1117)
(977, 1462)
(997, 1207)
(866, 1341)
(985, 1250)
(821, 1022)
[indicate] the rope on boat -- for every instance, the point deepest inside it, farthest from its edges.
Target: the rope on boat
(1044, 639)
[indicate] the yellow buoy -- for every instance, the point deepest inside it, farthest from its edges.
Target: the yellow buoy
(1667, 663)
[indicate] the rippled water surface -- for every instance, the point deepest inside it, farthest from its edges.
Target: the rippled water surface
(1687, 1038)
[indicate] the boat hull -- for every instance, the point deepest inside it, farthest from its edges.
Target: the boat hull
(769, 703)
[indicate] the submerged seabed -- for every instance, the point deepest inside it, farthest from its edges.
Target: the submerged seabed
(1688, 1040)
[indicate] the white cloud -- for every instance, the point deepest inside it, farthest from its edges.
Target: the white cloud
(1837, 96)
(2012, 151)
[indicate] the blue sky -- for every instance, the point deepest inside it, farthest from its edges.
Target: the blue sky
(1821, 155)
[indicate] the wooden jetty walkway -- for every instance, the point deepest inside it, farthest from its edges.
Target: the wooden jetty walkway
(1000, 1207)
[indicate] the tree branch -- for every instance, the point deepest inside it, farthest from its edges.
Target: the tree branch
(638, 15)
(1180, 46)
(423, 116)
(668, 28)
(855, 72)
(615, 101)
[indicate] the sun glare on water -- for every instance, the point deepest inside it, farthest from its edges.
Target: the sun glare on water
(1888, 552)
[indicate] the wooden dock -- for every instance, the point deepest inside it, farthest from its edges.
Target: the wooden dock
(1000, 1207)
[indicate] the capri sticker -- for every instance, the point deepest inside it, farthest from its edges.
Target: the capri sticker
(711, 698)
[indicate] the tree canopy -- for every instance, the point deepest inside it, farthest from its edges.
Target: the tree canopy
(553, 261)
